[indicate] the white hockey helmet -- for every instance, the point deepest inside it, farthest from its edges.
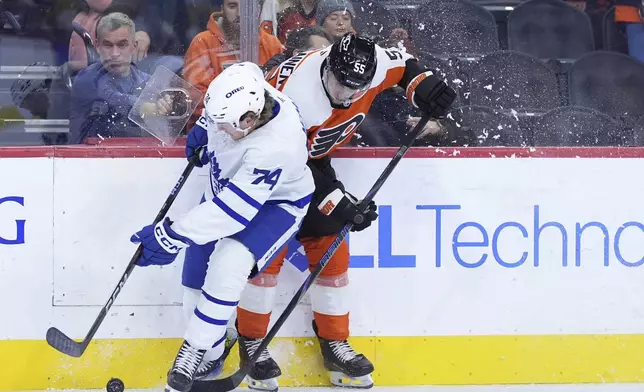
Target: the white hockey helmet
(239, 89)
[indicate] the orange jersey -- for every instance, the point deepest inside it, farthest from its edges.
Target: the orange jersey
(329, 127)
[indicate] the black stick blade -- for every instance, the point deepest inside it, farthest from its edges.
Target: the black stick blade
(64, 344)
(221, 385)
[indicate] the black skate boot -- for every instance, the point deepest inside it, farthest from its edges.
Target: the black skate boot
(211, 369)
(263, 376)
(348, 369)
(181, 376)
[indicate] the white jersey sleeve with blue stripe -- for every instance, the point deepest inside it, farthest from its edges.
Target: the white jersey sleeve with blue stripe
(231, 209)
(268, 166)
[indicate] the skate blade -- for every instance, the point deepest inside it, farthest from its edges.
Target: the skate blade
(340, 379)
(168, 388)
(213, 375)
(269, 385)
(231, 339)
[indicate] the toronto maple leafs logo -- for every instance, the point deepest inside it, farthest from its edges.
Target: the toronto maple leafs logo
(217, 183)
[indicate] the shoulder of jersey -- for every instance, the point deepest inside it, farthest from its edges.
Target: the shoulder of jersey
(304, 65)
(278, 147)
(393, 57)
(285, 130)
(388, 60)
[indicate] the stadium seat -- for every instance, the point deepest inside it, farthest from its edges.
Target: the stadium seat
(456, 27)
(480, 126)
(580, 126)
(615, 39)
(549, 29)
(610, 82)
(513, 80)
(637, 125)
(448, 70)
(374, 20)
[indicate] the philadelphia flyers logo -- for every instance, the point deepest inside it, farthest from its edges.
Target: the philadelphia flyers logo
(327, 138)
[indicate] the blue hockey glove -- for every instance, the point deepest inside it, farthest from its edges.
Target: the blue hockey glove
(160, 244)
(196, 146)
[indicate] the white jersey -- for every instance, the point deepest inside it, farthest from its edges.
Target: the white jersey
(266, 167)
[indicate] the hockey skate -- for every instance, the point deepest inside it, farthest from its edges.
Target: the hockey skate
(347, 368)
(263, 376)
(181, 375)
(211, 369)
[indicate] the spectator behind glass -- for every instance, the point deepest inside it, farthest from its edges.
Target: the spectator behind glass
(103, 93)
(300, 40)
(167, 24)
(294, 17)
(336, 16)
(90, 12)
(213, 50)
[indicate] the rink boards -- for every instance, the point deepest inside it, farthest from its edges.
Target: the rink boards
(484, 267)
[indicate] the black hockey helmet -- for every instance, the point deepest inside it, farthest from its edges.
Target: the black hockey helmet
(353, 61)
(349, 69)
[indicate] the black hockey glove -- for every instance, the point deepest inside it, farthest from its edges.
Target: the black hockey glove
(345, 207)
(430, 94)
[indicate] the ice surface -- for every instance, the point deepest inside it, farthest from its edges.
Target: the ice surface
(487, 388)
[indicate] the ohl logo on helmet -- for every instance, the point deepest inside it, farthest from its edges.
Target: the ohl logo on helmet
(238, 89)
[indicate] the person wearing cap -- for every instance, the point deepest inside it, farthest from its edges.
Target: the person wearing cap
(336, 17)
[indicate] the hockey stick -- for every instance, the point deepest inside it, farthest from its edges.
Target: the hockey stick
(65, 344)
(231, 382)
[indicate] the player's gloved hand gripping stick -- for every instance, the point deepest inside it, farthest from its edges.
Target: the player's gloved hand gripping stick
(231, 382)
(66, 345)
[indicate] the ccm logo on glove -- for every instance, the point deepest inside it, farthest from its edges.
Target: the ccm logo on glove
(160, 243)
(165, 242)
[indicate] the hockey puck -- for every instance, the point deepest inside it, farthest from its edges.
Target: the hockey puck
(115, 385)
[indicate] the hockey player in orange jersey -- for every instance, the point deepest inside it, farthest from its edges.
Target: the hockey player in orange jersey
(333, 88)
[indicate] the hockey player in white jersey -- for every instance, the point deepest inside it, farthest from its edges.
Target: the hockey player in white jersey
(259, 191)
